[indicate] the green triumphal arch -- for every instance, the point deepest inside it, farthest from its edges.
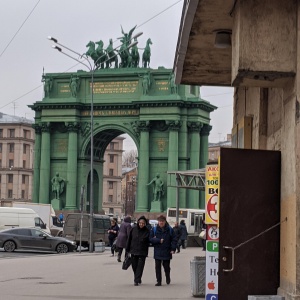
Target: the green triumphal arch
(169, 125)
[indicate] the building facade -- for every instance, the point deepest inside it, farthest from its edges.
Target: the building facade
(214, 148)
(254, 46)
(168, 123)
(16, 158)
(129, 183)
(112, 175)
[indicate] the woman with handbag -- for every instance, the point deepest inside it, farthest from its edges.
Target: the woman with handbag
(112, 235)
(137, 246)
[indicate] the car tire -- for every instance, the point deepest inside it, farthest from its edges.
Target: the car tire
(9, 246)
(60, 234)
(62, 248)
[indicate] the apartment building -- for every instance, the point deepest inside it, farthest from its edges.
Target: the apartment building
(16, 158)
(112, 176)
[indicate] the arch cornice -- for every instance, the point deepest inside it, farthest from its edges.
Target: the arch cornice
(134, 105)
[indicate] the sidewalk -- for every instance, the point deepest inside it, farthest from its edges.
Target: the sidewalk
(122, 284)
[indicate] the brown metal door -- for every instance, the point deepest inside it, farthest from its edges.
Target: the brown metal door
(249, 205)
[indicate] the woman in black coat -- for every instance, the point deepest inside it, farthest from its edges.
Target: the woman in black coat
(112, 234)
(137, 246)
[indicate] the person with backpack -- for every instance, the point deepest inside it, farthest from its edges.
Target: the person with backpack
(164, 241)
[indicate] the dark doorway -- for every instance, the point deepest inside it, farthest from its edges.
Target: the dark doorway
(249, 205)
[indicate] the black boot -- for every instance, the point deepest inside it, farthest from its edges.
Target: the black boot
(168, 279)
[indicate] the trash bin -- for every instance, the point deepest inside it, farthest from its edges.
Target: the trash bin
(198, 276)
(99, 247)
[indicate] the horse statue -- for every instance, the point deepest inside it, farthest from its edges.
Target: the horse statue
(135, 56)
(147, 54)
(92, 52)
(102, 56)
(112, 56)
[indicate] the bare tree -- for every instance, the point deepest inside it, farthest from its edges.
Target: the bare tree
(129, 158)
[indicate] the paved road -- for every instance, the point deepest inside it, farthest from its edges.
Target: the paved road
(89, 276)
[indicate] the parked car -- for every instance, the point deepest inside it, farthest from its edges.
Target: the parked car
(33, 239)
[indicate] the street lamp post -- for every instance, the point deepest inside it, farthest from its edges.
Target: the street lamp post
(92, 68)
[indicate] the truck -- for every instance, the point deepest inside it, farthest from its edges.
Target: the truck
(11, 217)
(46, 213)
(76, 222)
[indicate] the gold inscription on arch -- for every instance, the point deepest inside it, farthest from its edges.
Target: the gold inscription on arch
(126, 112)
(115, 87)
(162, 85)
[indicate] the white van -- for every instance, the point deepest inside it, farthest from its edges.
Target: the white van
(11, 217)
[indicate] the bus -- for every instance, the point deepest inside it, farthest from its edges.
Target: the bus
(193, 219)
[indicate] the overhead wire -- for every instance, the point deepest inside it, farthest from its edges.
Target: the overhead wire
(19, 28)
(77, 63)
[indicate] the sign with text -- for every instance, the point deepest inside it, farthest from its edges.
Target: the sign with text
(211, 194)
(115, 87)
(212, 267)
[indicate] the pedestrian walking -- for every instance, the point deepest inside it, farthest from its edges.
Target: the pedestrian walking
(137, 246)
(164, 241)
(123, 234)
(177, 231)
(112, 234)
(184, 234)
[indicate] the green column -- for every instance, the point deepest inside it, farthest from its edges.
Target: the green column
(204, 133)
(172, 160)
(142, 204)
(37, 162)
(72, 166)
(100, 197)
(45, 165)
(183, 156)
(194, 129)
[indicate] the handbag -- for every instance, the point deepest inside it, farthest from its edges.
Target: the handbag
(114, 246)
(127, 262)
(202, 234)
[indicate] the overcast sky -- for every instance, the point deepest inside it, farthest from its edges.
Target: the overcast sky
(25, 50)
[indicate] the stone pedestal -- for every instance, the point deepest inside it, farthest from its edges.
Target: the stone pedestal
(56, 204)
(156, 206)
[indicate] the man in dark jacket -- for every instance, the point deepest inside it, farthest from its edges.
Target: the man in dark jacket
(123, 234)
(164, 241)
(177, 231)
(184, 234)
(137, 246)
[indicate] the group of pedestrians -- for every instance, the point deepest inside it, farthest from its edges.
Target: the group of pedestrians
(135, 240)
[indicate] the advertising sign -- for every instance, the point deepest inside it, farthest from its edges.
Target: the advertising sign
(211, 194)
(212, 231)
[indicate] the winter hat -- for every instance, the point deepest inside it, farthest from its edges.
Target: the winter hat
(161, 218)
(143, 218)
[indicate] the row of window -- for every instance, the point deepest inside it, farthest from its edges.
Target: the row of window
(11, 148)
(10, 194)
(11, 133)
(10, 178)
(11, 164)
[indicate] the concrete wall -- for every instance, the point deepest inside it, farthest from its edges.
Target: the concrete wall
(282, 133)
(257, 55)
